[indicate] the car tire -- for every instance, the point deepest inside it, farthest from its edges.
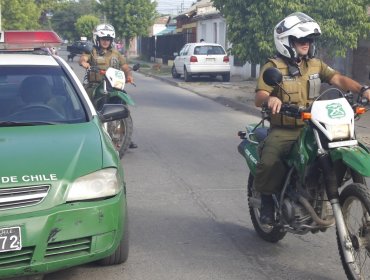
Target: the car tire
(120, 255)
(175, 75)
(187, 76)
(226, 77)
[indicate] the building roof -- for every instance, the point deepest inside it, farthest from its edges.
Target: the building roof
(169, 30)
(195, 7)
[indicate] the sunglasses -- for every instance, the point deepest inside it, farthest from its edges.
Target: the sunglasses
(303, 41)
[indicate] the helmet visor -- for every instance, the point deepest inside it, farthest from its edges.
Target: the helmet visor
(106, 38)
(302, 41)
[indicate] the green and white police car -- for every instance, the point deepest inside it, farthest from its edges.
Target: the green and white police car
(62, 188)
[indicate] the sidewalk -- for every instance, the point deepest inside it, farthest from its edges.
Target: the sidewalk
(237, 94)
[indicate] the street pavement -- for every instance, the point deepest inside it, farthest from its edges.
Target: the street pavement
(239, 95)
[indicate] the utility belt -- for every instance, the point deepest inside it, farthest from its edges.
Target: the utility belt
(278, 120)
(94, 77)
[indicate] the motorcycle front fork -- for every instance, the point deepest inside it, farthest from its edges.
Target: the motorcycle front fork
(344, 237)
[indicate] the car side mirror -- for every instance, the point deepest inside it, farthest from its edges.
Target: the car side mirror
(112, 112)
(175, 54)
(272, 76)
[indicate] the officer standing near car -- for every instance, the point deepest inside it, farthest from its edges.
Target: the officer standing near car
(294, 39)
(104, 55)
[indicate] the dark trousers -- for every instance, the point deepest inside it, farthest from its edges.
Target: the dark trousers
(271, 170)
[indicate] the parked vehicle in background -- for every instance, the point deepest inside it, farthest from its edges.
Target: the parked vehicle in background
(79, 47)
(62, 188)
(201, 59)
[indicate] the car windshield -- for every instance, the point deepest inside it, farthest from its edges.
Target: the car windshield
(208, 50)
(38, 95)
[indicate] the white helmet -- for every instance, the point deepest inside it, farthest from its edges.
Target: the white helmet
(298, 25)
(103, 31)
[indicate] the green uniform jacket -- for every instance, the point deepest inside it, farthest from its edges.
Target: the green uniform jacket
(301, 89)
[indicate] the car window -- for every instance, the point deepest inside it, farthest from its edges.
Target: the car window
(38, 94)
(208, 50)
(185, 50)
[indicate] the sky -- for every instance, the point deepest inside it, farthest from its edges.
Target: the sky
(173, 6)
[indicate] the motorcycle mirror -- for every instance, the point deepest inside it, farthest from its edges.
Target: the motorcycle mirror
(136, 66)
(272, 76)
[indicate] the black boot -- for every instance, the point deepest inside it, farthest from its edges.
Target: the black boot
(267, 210)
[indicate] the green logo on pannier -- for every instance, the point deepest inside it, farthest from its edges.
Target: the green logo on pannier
(335, 111)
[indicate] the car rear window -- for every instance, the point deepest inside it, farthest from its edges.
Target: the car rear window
(208, 50)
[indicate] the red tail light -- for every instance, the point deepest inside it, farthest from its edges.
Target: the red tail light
(193, 59)
(226, 58)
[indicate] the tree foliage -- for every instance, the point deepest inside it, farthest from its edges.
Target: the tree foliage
(251, 23)
(130, 18)
(85, 25)
(66, 15)
(13, 15)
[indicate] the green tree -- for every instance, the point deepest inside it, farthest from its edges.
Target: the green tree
(251, 23)
(19, 14)
(85, 25)
(130, 18)
(66, 14)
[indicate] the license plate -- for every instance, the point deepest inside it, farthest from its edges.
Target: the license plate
(10, 239)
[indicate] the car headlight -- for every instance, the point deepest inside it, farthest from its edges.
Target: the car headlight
(340, 131)
(102, 183)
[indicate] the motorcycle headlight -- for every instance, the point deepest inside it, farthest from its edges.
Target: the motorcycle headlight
(100, 184)
(340, 131)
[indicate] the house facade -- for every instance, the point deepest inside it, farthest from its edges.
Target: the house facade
(204, 21)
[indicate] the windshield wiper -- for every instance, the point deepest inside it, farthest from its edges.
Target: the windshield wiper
(14, 123)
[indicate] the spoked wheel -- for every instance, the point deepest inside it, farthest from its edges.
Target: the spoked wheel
(266, 232)
(355, 203)
(121, 133)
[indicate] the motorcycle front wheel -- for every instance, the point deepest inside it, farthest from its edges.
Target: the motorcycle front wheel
(120, 132)
(268, 233)
(355, 203)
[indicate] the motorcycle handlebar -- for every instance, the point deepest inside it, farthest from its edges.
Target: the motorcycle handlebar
(290, 110)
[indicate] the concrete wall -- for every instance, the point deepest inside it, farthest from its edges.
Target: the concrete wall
(214, 31)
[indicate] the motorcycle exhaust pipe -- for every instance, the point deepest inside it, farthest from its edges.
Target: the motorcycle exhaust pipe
(313, 214)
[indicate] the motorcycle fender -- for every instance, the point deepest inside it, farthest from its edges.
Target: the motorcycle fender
(356, 157)
(124, 96)
(249, 151)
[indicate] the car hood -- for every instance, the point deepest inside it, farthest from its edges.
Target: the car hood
(45, 153)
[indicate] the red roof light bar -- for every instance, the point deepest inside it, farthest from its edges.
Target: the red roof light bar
(15, 40)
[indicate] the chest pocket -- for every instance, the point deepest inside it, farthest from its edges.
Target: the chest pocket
(294, 88)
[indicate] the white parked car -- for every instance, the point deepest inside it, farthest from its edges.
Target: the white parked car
(198, 59)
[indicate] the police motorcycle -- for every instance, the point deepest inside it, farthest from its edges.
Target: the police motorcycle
(111, 91)
(325, 185)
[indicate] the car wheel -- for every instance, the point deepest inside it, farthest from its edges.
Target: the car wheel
(226, 77)
(187, 76)
(175, 75)
(121, 254)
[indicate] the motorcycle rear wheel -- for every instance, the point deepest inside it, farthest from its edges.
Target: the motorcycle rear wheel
(355, 203)
(268, 233)
(120, 132)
